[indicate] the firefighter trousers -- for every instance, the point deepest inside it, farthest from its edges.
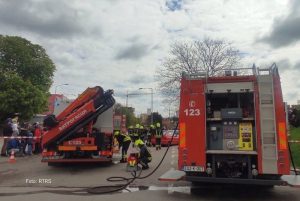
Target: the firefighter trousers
(158, 143)
(125, 147)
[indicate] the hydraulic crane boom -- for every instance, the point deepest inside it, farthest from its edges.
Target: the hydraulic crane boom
(74, 126)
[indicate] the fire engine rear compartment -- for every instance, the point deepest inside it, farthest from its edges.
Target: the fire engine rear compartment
(230, 134)
(232, 129)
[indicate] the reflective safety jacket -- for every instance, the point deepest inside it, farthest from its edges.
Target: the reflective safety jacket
(123, 138)
(158, 133)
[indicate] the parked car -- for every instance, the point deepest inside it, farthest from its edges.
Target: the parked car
(167, 136)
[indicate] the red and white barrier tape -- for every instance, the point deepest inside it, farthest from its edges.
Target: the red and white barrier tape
(24, 137)
(18, 137)
(294, 141)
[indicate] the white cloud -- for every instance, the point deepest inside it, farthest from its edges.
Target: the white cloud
(119, 44)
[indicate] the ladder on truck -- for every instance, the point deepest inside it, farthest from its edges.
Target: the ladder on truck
(267, 119)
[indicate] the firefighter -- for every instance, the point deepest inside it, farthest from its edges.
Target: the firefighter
(136, 132)
(150, 133)
(116, 136)
(130, 132)
(124, 141)
(142, 133)
(144, 154)
(158, 135)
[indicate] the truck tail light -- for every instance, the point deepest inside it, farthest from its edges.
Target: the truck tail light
(49, 153)
(184, 156)
(182, 136)
(105, 153)
(282, 135)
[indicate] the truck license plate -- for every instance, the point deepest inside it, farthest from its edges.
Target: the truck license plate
(193, 168)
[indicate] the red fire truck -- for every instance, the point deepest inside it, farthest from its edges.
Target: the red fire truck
(233, 127)
(82, 132)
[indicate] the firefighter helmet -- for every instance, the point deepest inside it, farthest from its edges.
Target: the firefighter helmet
(137, 126)
(141, 127)
(117, 133)
(139, 142)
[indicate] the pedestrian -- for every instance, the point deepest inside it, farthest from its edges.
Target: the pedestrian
(124, 141)
(13, 144)
(29, 143)
(144, 154)
(7, 133)
(158, 135)
(15, 127)
(37, 138)
(29, 140)
(23, 137)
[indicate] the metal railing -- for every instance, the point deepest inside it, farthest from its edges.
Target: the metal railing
(201, 74)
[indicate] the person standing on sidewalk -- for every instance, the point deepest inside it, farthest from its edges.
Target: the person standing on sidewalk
(7, 133)
(37, 138)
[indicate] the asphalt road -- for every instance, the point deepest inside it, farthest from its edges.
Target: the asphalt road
(70, 182)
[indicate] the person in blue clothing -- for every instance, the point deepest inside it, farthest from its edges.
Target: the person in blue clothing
(13, 143)
(29, 142)
(145, 156)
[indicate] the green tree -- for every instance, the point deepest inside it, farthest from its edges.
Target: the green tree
(208, 55)
(131, 119)
(26, 73)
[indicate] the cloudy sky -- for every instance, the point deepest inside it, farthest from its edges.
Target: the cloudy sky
(119, 44)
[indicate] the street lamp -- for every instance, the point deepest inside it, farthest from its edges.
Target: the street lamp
(151, 102)
(132, 94)
(58, 86)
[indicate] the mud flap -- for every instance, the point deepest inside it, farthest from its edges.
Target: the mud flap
(292, 180)
(172, 175)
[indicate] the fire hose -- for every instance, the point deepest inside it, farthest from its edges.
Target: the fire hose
(119, 187)
(103, 189)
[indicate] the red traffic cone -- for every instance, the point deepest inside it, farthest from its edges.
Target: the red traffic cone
(12, 157)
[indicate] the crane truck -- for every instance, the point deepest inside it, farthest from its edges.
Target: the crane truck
(83, 131)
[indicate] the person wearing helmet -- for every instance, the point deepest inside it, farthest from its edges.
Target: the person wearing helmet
(158, 135)
(150, 134)
(144, 154)
(130, 131)
(124, 141)
(142, 133)
(116, 135)
(136, 133)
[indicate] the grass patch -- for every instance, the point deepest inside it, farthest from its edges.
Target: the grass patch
(295, 147)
